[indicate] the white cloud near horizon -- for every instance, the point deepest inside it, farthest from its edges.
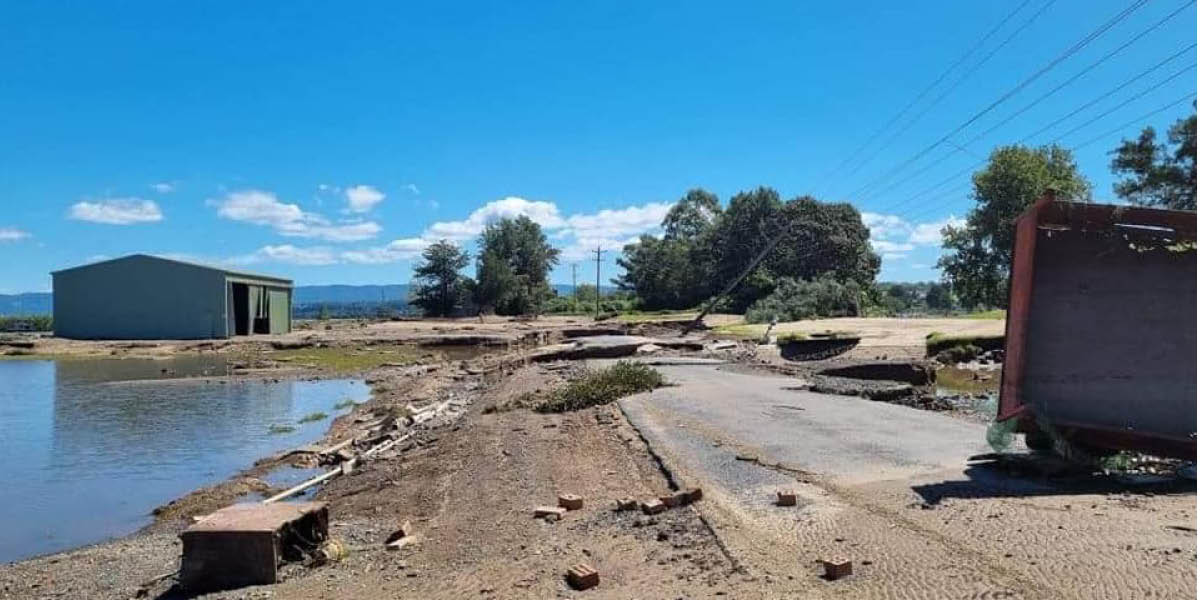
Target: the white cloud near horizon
(12, 234)
(289, 254)
(116, 211)
(894, 237)
(264, 208)
(362, 198)
(164, 187)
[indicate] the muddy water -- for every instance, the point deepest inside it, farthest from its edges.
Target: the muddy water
(92, 446)
(973, 390)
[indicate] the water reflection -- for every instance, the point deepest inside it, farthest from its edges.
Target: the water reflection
(93, 446)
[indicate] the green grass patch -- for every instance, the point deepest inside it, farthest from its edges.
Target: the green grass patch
(347, 403)
(996, 315)
(937, 342)
(349, 359)
(656, 315)
(280, 429)
(313, 417)
(602, 386)
(791, 336)
(742, 330)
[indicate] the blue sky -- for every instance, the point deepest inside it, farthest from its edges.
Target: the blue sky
(327, 142)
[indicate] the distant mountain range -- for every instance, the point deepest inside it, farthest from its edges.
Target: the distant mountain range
(304, 296)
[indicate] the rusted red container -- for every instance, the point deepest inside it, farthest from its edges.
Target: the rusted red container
(1101, 332)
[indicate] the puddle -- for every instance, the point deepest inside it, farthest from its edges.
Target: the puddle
(90, 461)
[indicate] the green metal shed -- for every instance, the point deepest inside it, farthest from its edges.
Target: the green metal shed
(149, 297)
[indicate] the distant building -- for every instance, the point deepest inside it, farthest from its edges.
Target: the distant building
(148, 297)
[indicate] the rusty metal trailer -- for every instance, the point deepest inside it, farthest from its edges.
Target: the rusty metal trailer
(1100, 347)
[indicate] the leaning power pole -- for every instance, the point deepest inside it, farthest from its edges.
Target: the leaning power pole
(599, 253)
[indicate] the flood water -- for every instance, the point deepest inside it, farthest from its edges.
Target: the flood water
(91, 447)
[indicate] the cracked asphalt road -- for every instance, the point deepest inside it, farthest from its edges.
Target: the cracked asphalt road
(864, 472)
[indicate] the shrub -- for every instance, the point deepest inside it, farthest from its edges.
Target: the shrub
(936, 342)
(797, 299)
(603, 386)
(312, 417)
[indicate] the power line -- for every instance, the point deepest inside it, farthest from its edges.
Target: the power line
(1065, 54)
(1078, 110)
(1141, 119)
(1128, 100)
(1057, 88)
(925, 91)
(1024, 25)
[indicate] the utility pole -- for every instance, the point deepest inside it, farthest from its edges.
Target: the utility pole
(574, 288)
(599, 253)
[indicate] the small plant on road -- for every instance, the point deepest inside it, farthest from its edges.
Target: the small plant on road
(603, 386)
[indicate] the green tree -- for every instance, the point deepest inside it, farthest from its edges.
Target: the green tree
(439, 288)
(513, 266)
(939, 298)
(981, 250)
(674, 271)
(1157, 174)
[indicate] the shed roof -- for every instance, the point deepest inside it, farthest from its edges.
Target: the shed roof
(227, 272)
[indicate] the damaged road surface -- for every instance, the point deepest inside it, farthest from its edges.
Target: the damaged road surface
(887, 488)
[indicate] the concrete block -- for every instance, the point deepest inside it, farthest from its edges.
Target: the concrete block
(570, 501)
(244, 544)
(582, 576)
(550, 513)
(837, 568)
(653, 506)
(626, 503)
(786, 498)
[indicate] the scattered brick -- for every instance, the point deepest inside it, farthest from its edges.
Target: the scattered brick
(837, 568)
(582, 576)
(550, 513)
(626, 504)
(786, 498)
(570, 501)
(653, 506)
(405, 530)
(670, 501)
(694, 494)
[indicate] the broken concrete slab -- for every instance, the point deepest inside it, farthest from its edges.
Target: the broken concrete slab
(244, 544)
(608, 346)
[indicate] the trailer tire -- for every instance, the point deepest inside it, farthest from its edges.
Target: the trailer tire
(1039, 441)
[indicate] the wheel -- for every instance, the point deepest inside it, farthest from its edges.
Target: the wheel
(1039, 441)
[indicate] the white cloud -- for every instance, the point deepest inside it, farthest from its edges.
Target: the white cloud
(165, 187)
(542, 213)
(893, 255)
(930, 234)
(610, 224)
(396, 250)
(289, 254)
(117, 211)
(362, 198)
(413, 189)
(891, 247)
(893, 228)
(884, 226)
(12, 234)
(263, 208)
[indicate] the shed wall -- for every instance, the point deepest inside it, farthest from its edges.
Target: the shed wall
(139, 298)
